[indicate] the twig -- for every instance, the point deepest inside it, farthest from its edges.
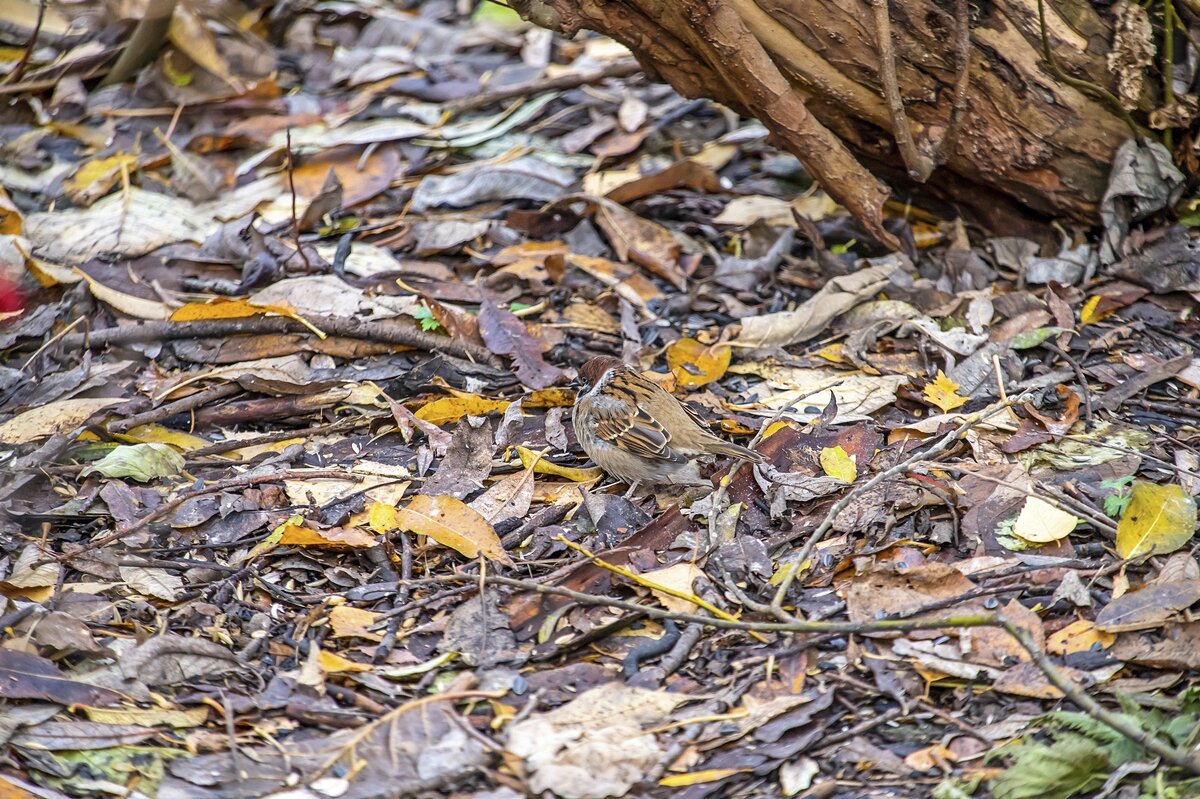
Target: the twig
(188, 403)
(168, 508)
(1168, 67)
(1094, 709)
(919, 166)
(617, 69)
(18, 70)
(1053, 674)
(962, 47)
(1079, 375)
(382, 332)
(145, 42)
(943, 444)
(291, 170)
(1083, 85)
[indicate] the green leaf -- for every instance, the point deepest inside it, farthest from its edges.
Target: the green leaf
(141, 462)
(1032, 338)
(1070, 766)
(426, 318)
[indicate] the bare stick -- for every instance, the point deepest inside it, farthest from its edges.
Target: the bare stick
(384, 332)
(962, 48)
(617, 69)
(168, 508)
(919, 166)
(18, 70)
(291, 170)
(1053, 674)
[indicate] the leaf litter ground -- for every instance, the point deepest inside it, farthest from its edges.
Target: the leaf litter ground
(292, 501)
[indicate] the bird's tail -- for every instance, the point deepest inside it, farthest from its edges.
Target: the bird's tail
(722, 447)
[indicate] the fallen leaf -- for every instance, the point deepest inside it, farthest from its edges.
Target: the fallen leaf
(56, 417)
(942, 393)
(679, 578)
(451, 409)
(505, 334)
(1078, 636)
(1041, 522)
(836, 463)
(1158, 519)
(27, 676)
(141, 462)
(695, 364)
(335, 537)
(350, 622)
(452, 524)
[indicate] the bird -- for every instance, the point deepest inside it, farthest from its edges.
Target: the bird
(638, 432)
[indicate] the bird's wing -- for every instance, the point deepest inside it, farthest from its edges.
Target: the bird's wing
(634, 430)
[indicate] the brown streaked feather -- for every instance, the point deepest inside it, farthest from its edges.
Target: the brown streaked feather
(639, 434)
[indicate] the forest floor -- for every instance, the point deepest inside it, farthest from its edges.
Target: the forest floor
(292, 503)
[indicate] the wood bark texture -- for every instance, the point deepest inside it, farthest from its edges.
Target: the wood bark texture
(1027, 145)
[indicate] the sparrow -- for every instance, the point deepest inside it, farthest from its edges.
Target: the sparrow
(638, 432)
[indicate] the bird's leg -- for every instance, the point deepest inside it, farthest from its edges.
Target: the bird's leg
(632, 487)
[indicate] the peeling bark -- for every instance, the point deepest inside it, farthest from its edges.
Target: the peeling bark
(1027, 144)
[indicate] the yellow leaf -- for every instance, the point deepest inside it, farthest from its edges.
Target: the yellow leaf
(336, 664)
(540, 465)
(549, 398)
(832, 353)
(337, 537)
(226, 309)
(838, 464)
(1078, 636)
(695, 364)
(451, 409)
(452, 524)
(942, 393)
(1092, 312)
(272, 541)
(700, 777)
(383, 518)
(94, 179)
(348, 622)
(775, 427)
(679, 578)
(1041, 522)
(157, 434)
(148, 717)
(1158, 519)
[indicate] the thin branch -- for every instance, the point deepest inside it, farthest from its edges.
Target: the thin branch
(18, 70)
(621, 68)
(167, 508)
(1053, 674)
(291, 171)
(1086, 86)
(384, 332)
(1116, 721)
(919, 166)
(962, 49)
